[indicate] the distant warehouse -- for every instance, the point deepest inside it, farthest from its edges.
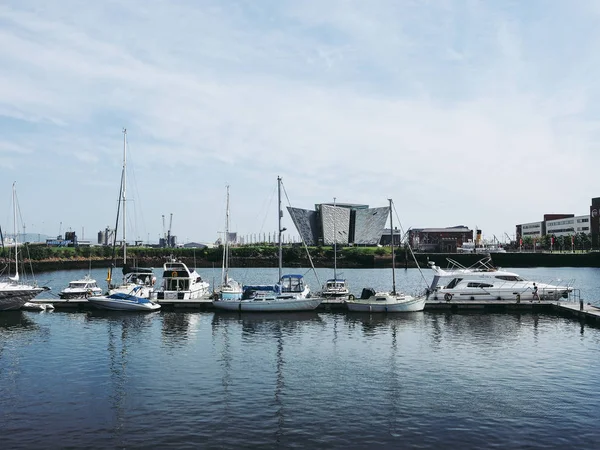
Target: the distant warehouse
(444, 240)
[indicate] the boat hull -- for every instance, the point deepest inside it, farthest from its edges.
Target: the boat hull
(230, 295)
(391, 304)
(501, 294)
(141, 290)
(14, 299)
(122, 304)
(269, 304)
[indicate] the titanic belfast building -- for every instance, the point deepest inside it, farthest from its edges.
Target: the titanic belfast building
(342, 224)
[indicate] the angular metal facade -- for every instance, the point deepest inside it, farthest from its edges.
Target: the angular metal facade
(306, 224)
(358, 226)
(335, 220)
(369, 225)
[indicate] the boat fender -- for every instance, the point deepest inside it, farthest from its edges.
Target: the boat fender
(351, 297)
(518, 298)
(174, 274)
(448, 296)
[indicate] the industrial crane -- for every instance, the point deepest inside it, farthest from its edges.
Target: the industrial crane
(169, 232)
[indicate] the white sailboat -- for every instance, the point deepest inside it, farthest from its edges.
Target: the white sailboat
(14, 293)
(229, 289)
(133, 277)
(129, 296)
(371, 301)
(290, 293)
(335, 288)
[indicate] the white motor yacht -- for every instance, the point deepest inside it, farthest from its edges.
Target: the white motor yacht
(483, 281)
(82, 288)
(180, 283)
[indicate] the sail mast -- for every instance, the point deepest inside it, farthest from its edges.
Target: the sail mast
(393, 254)
(124, 188)
(226, 246)
(334, 245)
(279, 215)
(14, 198)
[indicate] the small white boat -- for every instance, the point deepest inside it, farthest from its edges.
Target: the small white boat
(142, 277)
(289, 294)
(82, 288)
(335, 288)
(123, 302)
(371, 301)
(483, 281)
(229, 289)
(30, 306)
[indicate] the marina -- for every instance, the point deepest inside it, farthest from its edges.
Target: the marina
(320, 380)
(580, 304)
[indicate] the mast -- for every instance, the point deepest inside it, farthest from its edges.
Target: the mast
(14, 198)
(124, 188)
(281, 230)
(334, 245)
(226, 246)
(393, 254)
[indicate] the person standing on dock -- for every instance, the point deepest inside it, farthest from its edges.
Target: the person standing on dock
(535, 292)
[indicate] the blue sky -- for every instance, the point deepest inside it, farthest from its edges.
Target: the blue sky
(464, 112)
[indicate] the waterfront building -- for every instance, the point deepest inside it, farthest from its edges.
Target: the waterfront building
(342, 223)
(446, 240)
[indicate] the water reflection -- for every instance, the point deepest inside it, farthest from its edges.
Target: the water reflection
(371, 323)
(123, 330)
(11, 321)
(179, 327)
(259, 323)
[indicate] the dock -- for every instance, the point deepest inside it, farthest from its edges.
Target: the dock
(573, 309)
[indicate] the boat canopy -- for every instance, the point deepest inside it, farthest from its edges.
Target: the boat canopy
(129, 269)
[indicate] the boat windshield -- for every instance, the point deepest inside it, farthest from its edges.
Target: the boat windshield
(453, 283)
(291, 284)
(509, 278)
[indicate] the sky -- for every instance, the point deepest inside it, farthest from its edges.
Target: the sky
(475, 113)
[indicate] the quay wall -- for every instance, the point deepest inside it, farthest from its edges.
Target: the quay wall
(60, 259)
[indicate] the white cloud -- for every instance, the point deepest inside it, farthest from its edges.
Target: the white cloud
(449, 108)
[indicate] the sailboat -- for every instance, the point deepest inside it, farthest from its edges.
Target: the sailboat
(14, 294)
(130, 295)
(290, 293)
(371, 301)
(229, 288)
(335, 288)
(133, 277)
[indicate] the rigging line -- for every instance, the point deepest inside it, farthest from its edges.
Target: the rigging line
(408, 244)
(262, 226)
(26, 247)
(114, 245)
(137, 198)
(291, 211)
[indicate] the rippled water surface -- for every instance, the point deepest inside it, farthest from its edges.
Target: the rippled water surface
(310, 380)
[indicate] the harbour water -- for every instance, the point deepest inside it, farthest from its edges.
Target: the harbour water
(93, 379)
